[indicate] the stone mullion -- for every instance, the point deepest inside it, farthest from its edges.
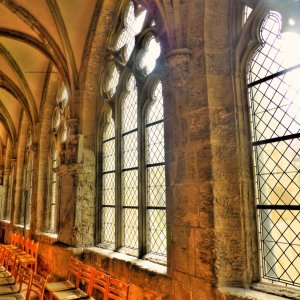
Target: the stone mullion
(33, 186)
(141, 180)
(118, 176)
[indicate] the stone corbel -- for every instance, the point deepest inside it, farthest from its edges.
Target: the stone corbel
(177, 65)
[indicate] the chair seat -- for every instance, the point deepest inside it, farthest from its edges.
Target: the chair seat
(7, 280)
(2, 269)
(59, 286)
(70, 294)
(9, 289)
(16, 296)
(4, 274)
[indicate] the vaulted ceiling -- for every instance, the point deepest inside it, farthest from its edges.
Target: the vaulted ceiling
(37, 36)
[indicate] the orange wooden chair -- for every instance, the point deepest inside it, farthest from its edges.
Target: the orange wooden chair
(36, 286)
(99, 284)
(30, 260)
(72, 281)
(117, 290)
(85, 279)
(10, 289)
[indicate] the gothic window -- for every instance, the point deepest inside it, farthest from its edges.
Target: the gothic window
(274, 95)
(27, 181)
(133, 196)
(59, 136)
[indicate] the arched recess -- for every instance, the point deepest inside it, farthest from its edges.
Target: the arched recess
(8, 123)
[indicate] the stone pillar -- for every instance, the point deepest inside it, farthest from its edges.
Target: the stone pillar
(13, 170)
(76, 191)
(189, 191)
(34, 149)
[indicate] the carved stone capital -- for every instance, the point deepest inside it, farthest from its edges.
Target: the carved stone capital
(178, 61)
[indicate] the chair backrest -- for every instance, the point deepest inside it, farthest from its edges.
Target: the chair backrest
(117, 290)
(85, 277)
(24, 276)
(14, 239)
(74, 271)
(36, 286)
(100, 282)
(33, 248)
(21, 242)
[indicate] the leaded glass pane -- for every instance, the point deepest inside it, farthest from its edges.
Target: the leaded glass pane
(129, 107)
(108, 189)
(130, 231)
(108, 149)
(130, 188)
(281, 245)
(130, 150)
(155, 143)
(156, 110)
(133, 24)
(108, 225)
(147, 57)
(275, 121)
(157, 231)
(156, 186)
(247, 12)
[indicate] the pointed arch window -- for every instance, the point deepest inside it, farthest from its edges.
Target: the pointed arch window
(274, 97)
(133, 200)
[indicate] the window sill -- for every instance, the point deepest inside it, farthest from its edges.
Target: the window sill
(278, 290)
(46, 237)
(263, 293)
(140, 263)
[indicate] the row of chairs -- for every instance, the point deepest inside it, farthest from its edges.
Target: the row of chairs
(85, 281)
(18, 281)
(25, 249)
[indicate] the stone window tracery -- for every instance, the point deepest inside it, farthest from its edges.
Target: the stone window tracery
(274, 94)
(133, 205)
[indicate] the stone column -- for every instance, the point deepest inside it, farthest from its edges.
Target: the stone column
(13, 170)
(34, 149)
(76, 191)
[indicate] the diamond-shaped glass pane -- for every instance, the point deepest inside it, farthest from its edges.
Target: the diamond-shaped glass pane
(156, 186)
(108, 225)
(108, 189)
(155, 143)
(157, 231)
(156, 108)
(130, 188)
(130, 150)
(277, 166)
(129, 110)
(275, 106)
(133, 24)
(130, 237)
(109, 130)
(280, 241)
(108, 156)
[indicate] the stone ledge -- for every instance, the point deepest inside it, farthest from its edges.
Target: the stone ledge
(140, 263)
(248, 294)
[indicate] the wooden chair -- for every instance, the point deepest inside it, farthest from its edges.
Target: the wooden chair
(85, 279)
(36, 287)
(99, 283)
(72, 281)
(117, 290)
(9, 289)
(30, 260)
